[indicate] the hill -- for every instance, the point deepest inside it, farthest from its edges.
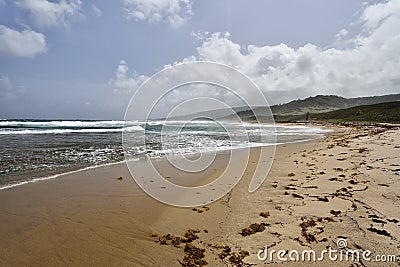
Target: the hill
(317, 104)
(325, 103)
(296, 109)
(383, 113)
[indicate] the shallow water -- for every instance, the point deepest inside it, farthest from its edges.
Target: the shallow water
(31, 148)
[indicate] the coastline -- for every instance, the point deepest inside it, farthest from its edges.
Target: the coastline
(91, 217)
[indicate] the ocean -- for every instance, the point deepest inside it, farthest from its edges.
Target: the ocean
(32, 150)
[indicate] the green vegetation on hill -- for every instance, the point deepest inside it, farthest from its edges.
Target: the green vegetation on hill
(325, 103)
(316, 104)
(383, 113)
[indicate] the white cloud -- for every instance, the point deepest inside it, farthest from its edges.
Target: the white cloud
(50, 14)
(341, 34)
(370, 67)
(376, 14)
(173, 12)
(26, 43)
(125, 82)
(97, 11)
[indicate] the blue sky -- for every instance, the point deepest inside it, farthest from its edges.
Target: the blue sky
(84, 59)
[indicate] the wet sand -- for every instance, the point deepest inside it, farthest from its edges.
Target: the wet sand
(344, 186)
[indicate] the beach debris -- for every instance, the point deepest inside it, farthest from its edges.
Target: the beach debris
(265, 214)
(169, 239)
(379, 232)
(304, 230)
(194, 256)
(237, 258)
(120, 178)
(323, 199)
(201, 209)
(335, 212)
(191, 235)
(343, 192)
(290, 187)
(383, 185)
(226, 251)
(378, 221)
(362, 150)
(311, 187)
(197, 210)
(176, 241)
(297, 196)
(253, 228)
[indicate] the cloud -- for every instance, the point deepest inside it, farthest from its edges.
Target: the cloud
(97, 11)
(173, 12)
(123, 81)
(371, 66)
(26, 43)
(47, 14)
(341, 34)
(376, 14)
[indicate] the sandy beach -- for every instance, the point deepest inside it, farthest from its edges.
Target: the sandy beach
(345, 186)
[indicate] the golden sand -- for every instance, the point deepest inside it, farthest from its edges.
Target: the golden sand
(344, 186)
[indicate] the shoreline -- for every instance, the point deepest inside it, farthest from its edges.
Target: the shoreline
(59, 175)
(91, 217)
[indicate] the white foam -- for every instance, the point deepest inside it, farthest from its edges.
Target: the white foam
(66, 131)
(55, 124)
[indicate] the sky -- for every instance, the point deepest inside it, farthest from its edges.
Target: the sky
(75, 59)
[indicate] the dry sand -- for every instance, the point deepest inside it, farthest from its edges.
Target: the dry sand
(344, 186)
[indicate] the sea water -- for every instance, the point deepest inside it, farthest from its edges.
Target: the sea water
(35, 149)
